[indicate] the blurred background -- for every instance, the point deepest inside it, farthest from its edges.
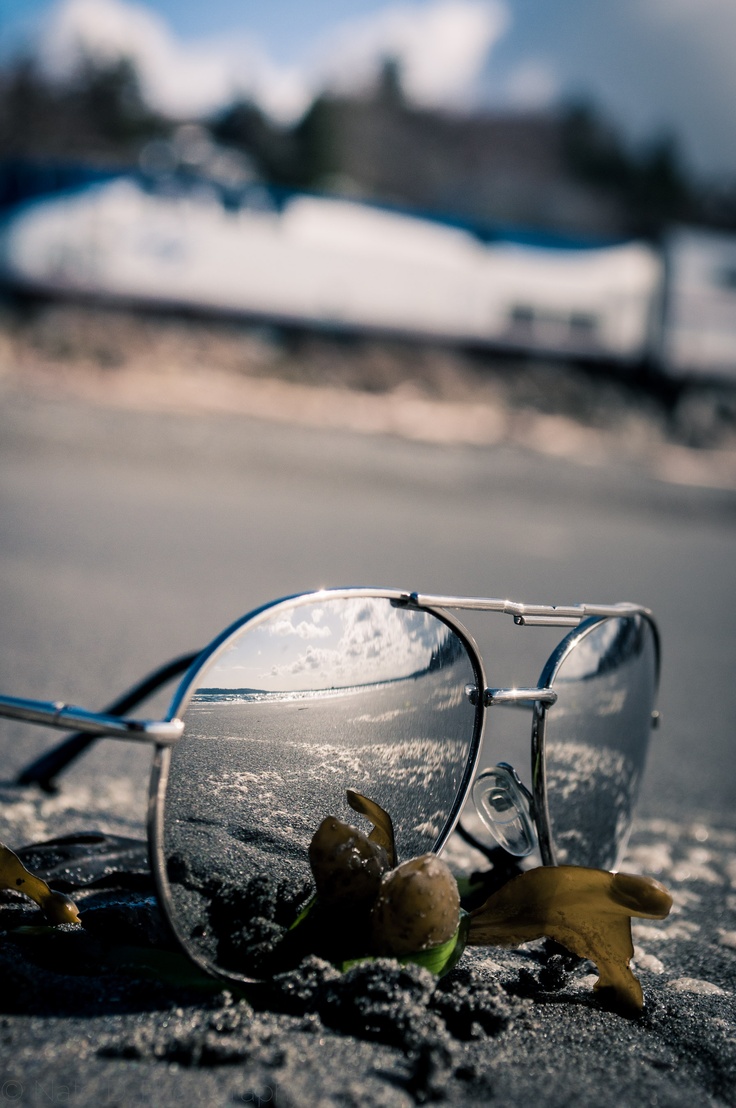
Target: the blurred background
(436, 294)
(556, 182)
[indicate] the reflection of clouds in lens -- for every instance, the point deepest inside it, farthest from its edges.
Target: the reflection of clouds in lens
(432, 826)
(302, 630)
(332, 643)
(609, 646)
(585, 659)
(383, 717)
(310, 660)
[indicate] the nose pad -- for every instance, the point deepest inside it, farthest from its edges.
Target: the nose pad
(502, 803)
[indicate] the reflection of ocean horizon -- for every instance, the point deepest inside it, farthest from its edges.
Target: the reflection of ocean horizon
(287, 759)
(260, 696)
(256, 772)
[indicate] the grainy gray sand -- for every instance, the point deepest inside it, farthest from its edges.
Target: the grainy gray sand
(105, 574)
(518, 1026)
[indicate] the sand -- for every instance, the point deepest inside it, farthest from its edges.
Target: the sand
(86, 1019)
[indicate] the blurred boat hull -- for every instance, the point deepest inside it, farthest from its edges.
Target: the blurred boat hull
(333, 264)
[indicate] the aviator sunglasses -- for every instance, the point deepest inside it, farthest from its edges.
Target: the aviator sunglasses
(382, 692)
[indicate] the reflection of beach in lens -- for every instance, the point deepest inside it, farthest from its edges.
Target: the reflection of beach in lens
(592, 792)
(597, 739)
(257, 772)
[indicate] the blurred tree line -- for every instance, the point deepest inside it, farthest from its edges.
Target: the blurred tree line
(98, 116)
(564, 170)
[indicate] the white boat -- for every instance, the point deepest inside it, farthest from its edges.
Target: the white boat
(699, 327)
(331, 263)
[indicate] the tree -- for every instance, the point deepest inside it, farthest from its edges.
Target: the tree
(650, 183)
(98, 115)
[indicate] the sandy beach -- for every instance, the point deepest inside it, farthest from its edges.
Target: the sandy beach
(132, 532)
(82, 1012)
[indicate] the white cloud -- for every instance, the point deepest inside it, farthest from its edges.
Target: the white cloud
(302, 630)
(654, 64)
(179, 78)
(376, 642)
(441, 46)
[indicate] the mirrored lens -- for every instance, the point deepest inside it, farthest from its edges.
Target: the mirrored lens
(595, 738)
(304, 702)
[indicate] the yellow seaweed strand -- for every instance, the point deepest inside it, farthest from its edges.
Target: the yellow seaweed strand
(586, 910)
(57, 907)
(383, 828)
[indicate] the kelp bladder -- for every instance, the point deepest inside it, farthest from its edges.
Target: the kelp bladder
(413, 911)
(417, 907)
(366, 906)
(588, 911)
(346, 865)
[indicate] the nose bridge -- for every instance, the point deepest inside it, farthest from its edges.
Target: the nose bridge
(501, 796)
(525, 698)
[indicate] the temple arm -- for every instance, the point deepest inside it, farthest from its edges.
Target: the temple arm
(53, 713)
(94, 725)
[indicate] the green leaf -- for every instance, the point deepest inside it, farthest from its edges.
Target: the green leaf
(466, 886)
(443, 958)
(304, 912)
(437, 959)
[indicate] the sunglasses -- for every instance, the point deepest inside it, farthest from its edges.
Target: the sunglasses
(381, 692)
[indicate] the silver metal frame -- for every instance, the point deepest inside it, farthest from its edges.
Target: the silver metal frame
(529, 615)
(62, 715)
(55, 713)
(165, 733)
(188, 685)
(539, 728)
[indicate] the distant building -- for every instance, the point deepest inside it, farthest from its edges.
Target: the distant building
(508, 169)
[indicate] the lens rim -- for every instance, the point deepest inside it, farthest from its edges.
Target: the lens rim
(185, 691)
(539, 725)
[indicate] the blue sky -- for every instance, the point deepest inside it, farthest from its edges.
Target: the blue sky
(655, 65)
